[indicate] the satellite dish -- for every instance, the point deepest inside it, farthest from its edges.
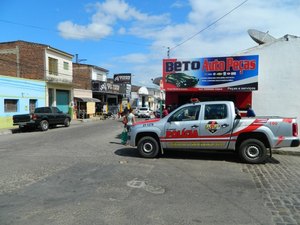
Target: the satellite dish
(260, 37)
(157, 80)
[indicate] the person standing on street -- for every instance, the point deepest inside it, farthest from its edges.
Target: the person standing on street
(130, 119)
(165, 112)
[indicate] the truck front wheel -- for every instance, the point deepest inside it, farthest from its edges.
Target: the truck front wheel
(253, 151)
(148, 147)
(44, 125)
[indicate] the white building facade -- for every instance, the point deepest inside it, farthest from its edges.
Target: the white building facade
(279, 77)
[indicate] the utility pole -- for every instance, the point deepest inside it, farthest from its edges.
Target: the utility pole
(168, 53)
(77, 60)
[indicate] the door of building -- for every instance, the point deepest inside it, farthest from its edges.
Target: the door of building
(62, 100)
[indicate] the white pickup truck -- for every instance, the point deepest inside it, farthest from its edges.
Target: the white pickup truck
(214, 126)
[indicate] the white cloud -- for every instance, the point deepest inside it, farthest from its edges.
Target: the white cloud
(122, 30)
(179, 4)
(92, 31)
(134, 58)
(103, 21)
(226, 37)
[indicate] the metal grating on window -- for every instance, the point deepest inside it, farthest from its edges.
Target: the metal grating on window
(10, 105)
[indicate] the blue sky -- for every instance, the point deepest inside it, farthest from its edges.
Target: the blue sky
(132, 36)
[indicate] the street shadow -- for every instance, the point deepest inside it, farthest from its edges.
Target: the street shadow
(272, 160)
(128, 152)
(185, 155)
(117, 143)
(15, 130)
(32, 129)
(202, 155)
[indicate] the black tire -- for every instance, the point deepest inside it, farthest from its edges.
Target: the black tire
(148, 147)
(67, 122)
(178, 84)
(253, 151)
(44, 125)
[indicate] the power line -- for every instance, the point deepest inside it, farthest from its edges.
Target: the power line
(188, 39)
(130, 43)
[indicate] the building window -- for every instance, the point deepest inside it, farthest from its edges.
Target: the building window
(53, 66)
(215, 111)
(100, 77)
(66, 66)
(32, 105)
(10, 105)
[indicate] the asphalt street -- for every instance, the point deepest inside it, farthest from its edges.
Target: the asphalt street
(83, 175)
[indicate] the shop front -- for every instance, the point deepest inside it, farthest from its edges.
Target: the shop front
(59, 95)
(84, 104)
(230, 78)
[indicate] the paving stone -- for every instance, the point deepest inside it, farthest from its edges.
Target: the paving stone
(280, 186)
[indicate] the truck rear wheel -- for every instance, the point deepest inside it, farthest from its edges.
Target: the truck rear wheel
(253, 151)
(44, 125)
(148, 147)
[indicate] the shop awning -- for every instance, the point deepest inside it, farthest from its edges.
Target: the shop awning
(83, 99)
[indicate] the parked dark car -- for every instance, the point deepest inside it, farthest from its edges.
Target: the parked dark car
(181, 80)
(42, 118)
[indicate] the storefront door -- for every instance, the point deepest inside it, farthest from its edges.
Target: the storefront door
(62, 100)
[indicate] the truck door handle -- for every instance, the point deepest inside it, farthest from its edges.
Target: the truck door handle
(224, 125)
(194, 126)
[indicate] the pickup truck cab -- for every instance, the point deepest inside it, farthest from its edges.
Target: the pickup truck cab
(214, 126)
(42, 118)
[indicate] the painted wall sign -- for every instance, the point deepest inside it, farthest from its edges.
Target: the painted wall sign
(232, 73)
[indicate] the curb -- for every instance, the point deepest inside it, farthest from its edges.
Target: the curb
(286, 152)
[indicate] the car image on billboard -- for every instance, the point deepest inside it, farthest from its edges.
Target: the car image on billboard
(181, 80)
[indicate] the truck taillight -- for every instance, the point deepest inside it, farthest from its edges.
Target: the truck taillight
(33, 117)
(295, 129)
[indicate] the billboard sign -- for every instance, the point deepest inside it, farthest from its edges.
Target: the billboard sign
(122, 78)
(232, 73)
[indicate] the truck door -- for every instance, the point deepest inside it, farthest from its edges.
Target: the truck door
(215, 126)
(58, 115)
(182, 128)
(51, 117)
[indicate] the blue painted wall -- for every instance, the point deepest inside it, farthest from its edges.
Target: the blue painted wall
(22, 90)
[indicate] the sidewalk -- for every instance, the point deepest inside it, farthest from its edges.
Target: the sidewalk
(282, 151)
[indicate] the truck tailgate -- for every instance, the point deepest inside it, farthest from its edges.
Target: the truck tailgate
(21, 118)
